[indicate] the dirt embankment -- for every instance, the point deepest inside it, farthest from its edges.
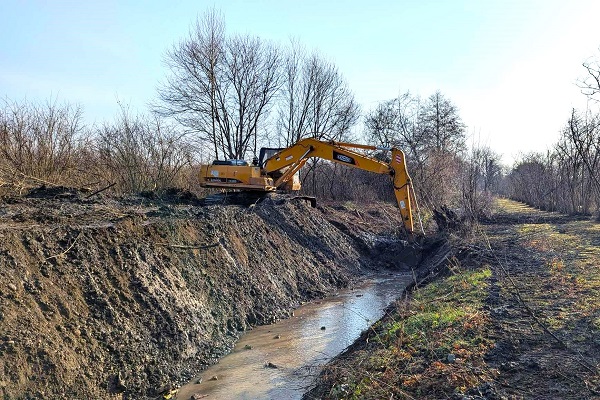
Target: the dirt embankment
(120, 298)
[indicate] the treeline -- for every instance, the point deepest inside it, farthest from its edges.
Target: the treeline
(567, 177)
(48, 143)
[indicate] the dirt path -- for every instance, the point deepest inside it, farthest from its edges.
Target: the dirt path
(544, 303)
(518, 317)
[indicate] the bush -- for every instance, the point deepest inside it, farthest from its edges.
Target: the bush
(40, 142)
(142, 153)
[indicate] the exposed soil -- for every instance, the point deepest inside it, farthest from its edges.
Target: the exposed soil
(127, 297)
(530, 330)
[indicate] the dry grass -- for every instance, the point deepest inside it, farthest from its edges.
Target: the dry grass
(432, 346)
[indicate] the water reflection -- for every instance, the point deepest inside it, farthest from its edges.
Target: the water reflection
(297, 347)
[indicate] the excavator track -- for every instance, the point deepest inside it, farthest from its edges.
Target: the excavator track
(234, 198)
(250, 198)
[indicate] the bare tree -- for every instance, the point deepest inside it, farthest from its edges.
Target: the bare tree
(315, 102)
(220, 87)
(490, 168)
(334, 110)
(295, 98)
(315, 99)
(41, 141)
(432, 135)
(584, 134)
(252, 70)
(443, 129)
(443, 141)
(573, 194)
(190, 91)
(590, 85)
(396, 123)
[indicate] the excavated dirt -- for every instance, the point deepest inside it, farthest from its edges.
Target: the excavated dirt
(127, 297)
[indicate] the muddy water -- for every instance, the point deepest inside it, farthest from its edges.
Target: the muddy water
(297, 347)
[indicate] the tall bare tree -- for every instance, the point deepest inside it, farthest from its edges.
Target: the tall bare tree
(443, 129)
(190, 92)
(432, 135)
(590, 85)
(396, 123)
(252, 69)
(315, 99)
(220, 87)
(572, 186)
(293, 113)
(584, 133)
(315, 102)
(443, 136)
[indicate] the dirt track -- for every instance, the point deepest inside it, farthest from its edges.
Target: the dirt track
(124, 298)
(544, 304)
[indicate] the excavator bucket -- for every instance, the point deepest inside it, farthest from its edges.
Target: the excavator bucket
(402, 188)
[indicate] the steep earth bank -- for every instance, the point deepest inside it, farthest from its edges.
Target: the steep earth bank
(124, 298)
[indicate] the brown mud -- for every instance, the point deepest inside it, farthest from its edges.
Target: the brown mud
(128, 297)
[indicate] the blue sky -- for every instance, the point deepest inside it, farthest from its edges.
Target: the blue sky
(510, 66)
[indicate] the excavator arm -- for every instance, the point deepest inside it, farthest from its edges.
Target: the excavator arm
(291, 159)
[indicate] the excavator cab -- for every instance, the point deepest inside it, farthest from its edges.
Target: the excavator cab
(266, 153)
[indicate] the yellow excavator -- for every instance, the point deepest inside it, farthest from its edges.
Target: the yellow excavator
(277, 169)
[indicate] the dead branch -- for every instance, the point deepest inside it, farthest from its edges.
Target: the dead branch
(181, 246)
(101, 190)
(67, 250)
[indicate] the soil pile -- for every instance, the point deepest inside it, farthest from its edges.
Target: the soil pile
(105, 298)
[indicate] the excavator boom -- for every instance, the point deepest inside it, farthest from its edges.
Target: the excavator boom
(295, 156)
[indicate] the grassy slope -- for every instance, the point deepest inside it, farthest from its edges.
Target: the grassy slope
(518, 318)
